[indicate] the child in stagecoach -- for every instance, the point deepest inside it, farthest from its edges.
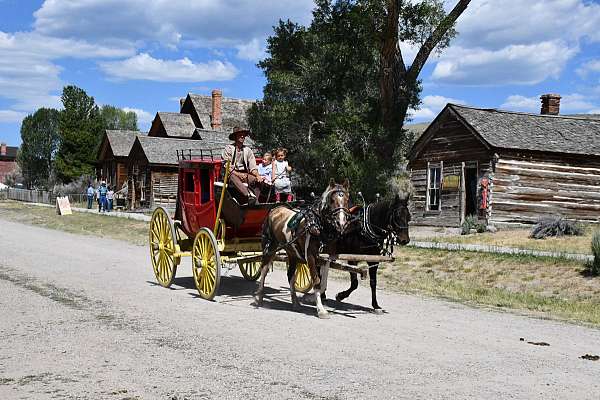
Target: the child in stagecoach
(243, 168)
(281, 175)
(265, 168)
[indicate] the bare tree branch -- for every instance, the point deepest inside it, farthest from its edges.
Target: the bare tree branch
(434, 39)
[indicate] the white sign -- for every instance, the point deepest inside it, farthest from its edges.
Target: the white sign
(63, 207)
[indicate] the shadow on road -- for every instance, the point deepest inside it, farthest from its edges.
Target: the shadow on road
(235, 289)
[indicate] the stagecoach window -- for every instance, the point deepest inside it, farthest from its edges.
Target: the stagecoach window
(189, 182)
(204, 186)
(434, 179)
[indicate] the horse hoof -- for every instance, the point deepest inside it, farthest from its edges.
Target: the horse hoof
(338, 298)
(256, 303)
(378, 311)
(324, 315)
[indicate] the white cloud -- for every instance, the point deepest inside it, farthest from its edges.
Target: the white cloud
(590, 67)
(11, 116)
(143, 117)
(517, 42)
(514, 64)
(225, 23)
(143, 66)
(254, 50)
(569, 104)
(29, 76)
(431, 106)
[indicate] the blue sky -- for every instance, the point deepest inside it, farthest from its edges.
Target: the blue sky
(145, 54)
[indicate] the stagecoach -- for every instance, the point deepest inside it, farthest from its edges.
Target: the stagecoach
(215, 230)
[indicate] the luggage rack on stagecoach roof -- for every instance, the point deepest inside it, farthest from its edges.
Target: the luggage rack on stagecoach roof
(203, 154)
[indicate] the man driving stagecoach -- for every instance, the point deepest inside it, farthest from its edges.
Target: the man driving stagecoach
(243, 166)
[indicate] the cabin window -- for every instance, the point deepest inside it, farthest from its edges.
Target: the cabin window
(434, 179)
(204, 186)
(189, 182)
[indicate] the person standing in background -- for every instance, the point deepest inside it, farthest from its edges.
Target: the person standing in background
(90, 196)
(110, 195)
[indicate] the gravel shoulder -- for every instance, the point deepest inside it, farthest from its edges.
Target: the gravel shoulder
(82, 318)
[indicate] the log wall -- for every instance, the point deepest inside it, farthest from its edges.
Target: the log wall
(164, 189)
(527, 186)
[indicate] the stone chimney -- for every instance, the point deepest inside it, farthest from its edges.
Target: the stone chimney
(2, 149)
(215, 117)
(181, 101)
(550, 104)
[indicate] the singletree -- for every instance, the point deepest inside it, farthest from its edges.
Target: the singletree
(40, 139)
(338, 91)
(116, 118)
(80, 127)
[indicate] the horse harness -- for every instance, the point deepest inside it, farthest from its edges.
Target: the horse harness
(380, 236)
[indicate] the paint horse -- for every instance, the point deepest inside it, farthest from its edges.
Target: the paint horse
(322, 223)
(376, 224)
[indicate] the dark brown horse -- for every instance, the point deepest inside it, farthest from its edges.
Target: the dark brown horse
(375, 225)
(323, 222)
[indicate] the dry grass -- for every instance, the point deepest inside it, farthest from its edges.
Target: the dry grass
(554, 287)
(519, 238)
(132, 231)
(550, 287)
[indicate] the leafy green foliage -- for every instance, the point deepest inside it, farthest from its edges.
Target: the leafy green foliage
(595, 265)
(80, 126)
(323, 100)
(469, 223)
(554, 226)
(116, 118)
(40, 139)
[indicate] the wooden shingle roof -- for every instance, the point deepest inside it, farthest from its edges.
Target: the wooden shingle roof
(233, 111)
(120, 141)
(163, 150)
(522, 131)
(176, 125)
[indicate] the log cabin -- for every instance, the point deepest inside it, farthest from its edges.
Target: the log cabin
(153, 167)
(216, 112)
(506, 167)
(112, 156)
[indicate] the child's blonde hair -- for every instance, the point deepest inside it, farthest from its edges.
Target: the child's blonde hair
(279, 150)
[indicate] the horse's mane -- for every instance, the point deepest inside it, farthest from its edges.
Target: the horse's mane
(326, 194)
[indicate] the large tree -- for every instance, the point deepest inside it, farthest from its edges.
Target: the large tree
(338, 91)
(40, 139)
(116, 118)
(80, 126)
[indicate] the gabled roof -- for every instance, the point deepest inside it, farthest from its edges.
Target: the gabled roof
(233, 111)
(522, 131)
(174, 124)
(162, 150)
(120, 141)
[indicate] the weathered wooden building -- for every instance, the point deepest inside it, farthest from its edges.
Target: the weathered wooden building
(506, 167)
(216, 112)
(153, 167)
(112, 156)
(175, 125)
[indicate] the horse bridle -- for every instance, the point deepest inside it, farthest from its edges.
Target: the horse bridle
(392, 225)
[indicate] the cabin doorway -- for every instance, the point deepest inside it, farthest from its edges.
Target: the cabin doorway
(469, 197)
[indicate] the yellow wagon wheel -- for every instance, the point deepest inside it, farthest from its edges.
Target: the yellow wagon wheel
(250, 269)
(206, 264)
(303, 279)
(163, 247)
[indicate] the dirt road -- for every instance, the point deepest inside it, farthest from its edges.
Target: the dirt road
(81, 318)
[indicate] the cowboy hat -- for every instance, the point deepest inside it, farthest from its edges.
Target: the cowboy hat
(237, 130)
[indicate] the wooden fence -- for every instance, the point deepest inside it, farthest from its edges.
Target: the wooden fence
(45, 197)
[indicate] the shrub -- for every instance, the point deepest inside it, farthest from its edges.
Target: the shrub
(469, 223)
(78, 186)
(554, 226)
(595, 266)
(480, 227)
